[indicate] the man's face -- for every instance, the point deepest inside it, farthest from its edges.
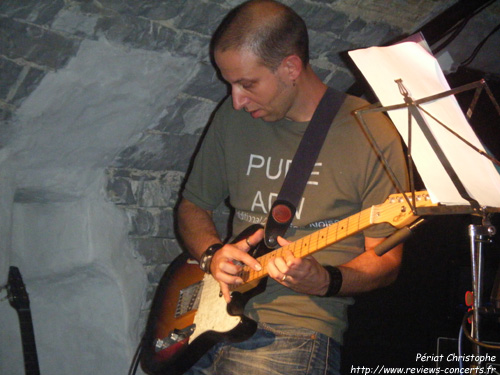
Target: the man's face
(254, 87)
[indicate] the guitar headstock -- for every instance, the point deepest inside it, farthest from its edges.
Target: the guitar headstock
(16, 290)
(396, 210)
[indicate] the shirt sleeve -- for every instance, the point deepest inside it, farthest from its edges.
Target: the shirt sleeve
(206, 185)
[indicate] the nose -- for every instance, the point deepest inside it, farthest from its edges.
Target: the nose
(239, 98)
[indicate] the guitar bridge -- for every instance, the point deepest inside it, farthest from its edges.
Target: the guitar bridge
(177, 335)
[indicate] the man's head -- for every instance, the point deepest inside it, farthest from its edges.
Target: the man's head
(261, 50)
(270, 30)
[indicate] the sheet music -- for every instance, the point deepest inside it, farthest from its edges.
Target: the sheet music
(422, 77)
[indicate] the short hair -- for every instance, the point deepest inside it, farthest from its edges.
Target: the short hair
(270, 30)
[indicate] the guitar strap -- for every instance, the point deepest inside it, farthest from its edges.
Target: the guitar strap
(283, 209)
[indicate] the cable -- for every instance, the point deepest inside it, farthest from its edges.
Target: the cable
(474, 53)
(135, 361)
(457, 28)
(482, 311)
(460, 348)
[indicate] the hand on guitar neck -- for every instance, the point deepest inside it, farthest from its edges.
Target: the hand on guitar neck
(303, 275)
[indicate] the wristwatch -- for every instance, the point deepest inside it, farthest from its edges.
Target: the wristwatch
(335, 281)
(206, 257)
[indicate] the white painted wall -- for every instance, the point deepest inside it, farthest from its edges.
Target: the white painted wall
(84, 285)
(70, 244)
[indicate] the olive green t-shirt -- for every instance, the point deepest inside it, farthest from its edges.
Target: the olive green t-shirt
(246, 160)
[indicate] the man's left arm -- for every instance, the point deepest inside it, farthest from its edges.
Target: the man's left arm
(366, 272)
(369, 271)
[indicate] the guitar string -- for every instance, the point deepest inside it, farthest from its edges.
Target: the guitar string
(334, 232)
(311, 243)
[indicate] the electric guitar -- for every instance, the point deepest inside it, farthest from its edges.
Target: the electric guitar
(189, 315)
(19, 300)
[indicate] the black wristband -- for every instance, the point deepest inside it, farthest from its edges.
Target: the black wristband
(206, 257)
(335, 281)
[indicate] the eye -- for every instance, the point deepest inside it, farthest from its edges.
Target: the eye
(247, 84)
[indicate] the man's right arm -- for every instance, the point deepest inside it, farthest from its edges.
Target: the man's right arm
(198, 232)
(196, 228)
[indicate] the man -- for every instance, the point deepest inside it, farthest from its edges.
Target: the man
(261, 51)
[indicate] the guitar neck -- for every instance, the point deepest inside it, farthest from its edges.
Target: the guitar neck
(308, 245)
(28, 340)
(396, 210)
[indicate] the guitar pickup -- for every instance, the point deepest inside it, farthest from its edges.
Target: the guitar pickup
(189, 299)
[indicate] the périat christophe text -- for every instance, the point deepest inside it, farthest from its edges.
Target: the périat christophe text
(431, 364)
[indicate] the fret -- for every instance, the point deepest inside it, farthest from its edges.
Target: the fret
(314, 243)
(318, 237)
(341, 230)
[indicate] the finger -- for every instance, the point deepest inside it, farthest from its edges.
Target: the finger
(255, 238)
(237, 256)
(276, 268)
(251, 241)
(283, 242)
(272, 270)
(286, 280)
(281, 265)
(289, 258)
(243, 257)
(230, 266)
(226, 277)
(224, 288)
(248, 260)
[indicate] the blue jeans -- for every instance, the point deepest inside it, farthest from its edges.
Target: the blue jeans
(272, 350)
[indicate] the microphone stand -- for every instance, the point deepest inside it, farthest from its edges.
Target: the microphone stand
(479, 234)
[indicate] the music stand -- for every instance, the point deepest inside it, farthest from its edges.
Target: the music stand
(478, 233)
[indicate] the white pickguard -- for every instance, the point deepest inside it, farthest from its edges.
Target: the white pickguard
(212, 311)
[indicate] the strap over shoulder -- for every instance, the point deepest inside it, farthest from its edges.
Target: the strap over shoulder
(283, 209)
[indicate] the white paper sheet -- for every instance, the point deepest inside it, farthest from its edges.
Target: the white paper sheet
(423, 77)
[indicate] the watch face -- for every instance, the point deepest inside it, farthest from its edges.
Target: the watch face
(212, 249)
(205, 262)
(206, 257)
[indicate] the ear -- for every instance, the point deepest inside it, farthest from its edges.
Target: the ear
(293, 66)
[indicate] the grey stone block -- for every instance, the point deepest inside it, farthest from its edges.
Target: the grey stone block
(143, 188)
(206, 84)
(119, 190)
(189, 115)
(9, 72)
(151, 222)
(200, 17)
(27, 83)
(33, 11)
(135, 32)
(35, 44)
(155, 251)
(159, 152)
